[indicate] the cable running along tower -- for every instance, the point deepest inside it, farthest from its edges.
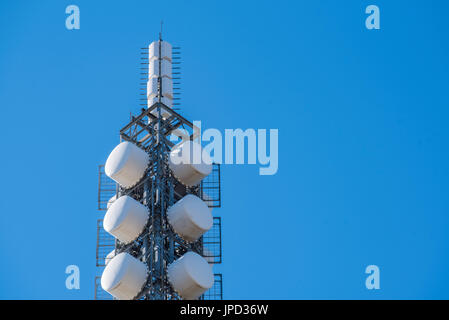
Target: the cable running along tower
(159, 238)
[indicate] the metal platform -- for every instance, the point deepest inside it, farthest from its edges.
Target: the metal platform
(107, 188)
(216, 292)
(211, 188)
(105, 244)
(100, 294)
(212, 243)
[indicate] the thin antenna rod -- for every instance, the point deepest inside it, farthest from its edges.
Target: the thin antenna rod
(160, 33)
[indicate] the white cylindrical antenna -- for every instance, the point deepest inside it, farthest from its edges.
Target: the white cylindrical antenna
(125, 219)
(190, 217)
(126, 164)
(124, 276)
(189, 163)
(190, 276)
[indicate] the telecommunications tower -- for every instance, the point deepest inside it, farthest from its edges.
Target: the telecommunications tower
(159, 239)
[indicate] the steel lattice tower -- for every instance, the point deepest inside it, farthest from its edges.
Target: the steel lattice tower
(158, 245)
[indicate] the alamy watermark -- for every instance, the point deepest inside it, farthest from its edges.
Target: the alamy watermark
(73, 20)
(73, 279)
(238, 146)
(373, 20)
(373, 280)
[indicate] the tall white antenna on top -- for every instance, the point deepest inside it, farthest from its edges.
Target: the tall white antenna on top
(160, 78)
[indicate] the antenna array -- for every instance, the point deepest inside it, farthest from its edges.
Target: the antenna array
(159, 223)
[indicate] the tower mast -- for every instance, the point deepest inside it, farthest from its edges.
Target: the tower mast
(154, 257)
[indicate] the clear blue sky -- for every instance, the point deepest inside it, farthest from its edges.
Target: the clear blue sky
(362, 116)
